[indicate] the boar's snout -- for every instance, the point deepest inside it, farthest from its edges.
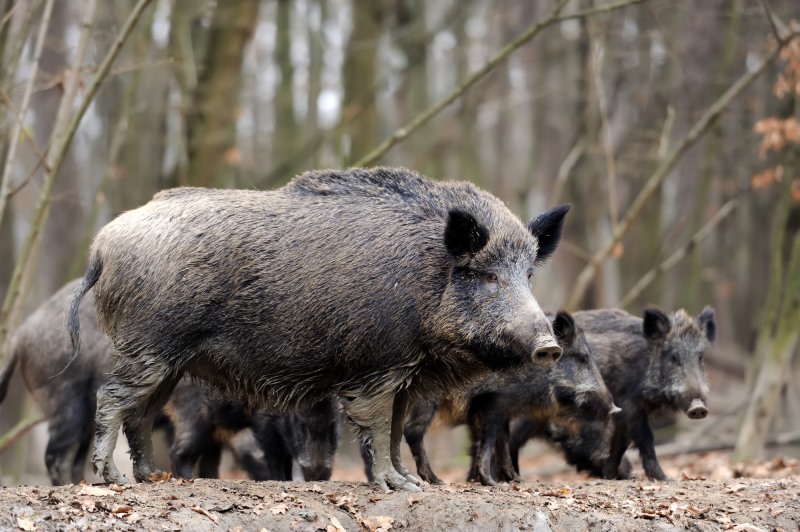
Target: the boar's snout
(697, 410)
(317, 472)
(547, 354)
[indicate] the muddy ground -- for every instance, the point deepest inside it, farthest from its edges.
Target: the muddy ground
(708, 494)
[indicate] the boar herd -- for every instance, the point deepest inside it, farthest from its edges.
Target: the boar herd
(260, 320)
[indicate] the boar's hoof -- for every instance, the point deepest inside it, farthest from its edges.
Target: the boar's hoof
(697, 410)
(392, 480)
(546, 355)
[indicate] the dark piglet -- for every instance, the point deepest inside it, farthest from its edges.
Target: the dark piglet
(583, 442)
(374, 285)
(657, 368)
(571, 390)
(63, 389)
(201, 425)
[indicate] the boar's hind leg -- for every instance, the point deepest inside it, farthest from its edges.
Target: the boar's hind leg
(132, 397)
(68, 430)
(373, 417)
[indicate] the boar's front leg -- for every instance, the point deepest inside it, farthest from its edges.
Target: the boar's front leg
(373, 417)
(416, 426)
(642, 436)
(398, 421)
(619, 444)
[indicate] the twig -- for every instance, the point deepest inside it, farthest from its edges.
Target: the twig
(773, 21)
(679, 255)
(61, 140)
(565, 168)
(10, 13)
(552, 18)
(664, 168)
(663, 143)
(608, 149)
(17, 431)
(5, 182)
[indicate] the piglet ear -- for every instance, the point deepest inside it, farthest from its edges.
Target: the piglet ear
(656, 325)
(707, 324)
(464, 235)
(564, 328)
(547, 229)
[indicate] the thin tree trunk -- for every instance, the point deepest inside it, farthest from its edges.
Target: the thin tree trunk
(285, 136)
(212, 124)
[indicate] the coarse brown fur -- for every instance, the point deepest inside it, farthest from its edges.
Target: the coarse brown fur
(372, 284)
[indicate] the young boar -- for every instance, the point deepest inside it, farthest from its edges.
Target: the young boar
(201, 425)
(650, 365)
(375, 285)
(573, 389)
(64, 391)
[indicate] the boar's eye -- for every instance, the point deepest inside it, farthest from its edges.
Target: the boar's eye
(675, 358)
(490, 277)
(530, 274)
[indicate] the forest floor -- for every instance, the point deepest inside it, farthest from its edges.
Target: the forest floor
(707, 494)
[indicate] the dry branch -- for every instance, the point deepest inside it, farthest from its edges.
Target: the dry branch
(17, 431)
(17, 130)
(552, 18)
(675, 258)
(63, 133)
(695, 133)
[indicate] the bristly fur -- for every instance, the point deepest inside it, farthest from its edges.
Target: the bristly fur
(340, 282)
(650, 364)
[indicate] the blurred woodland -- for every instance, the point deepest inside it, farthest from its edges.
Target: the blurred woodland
(670, 125)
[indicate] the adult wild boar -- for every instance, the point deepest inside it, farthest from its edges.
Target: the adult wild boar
(651, 365)
(371, 284)
(63, 391)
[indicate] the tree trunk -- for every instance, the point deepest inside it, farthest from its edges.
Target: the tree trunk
(211, 126)
(360, 71)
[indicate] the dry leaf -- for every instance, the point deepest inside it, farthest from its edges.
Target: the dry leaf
(653, 487)
(747, 527)
(735, 488)
(135, 518)
(121, 509)
(314, 488)
(279, 509)
(25, 523)
(205, 513)
(414, 499)
(337, 526)
(96, 491)
(380, 523)
(160, 476)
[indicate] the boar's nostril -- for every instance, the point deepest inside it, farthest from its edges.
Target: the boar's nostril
(697, 410)
(546, 355)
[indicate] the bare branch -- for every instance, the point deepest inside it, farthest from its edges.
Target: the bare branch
(565, 168)
(679, 255)
(552, 18)
(63, 133)
(16, 132)
(664, 168)
(19, 430)
(774, 22)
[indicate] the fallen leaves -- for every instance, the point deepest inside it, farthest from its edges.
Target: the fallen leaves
(96, 491)
(279, 509)
(380, 523)
(211, 516)
(26, 523)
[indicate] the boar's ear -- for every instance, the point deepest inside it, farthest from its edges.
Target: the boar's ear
(463, 234)
(656, 325)
(707, 324)
(564, 327)
(547, 229)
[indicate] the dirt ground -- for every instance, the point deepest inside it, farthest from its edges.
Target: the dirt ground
(708, 494)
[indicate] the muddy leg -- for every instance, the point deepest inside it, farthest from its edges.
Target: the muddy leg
(373, 417)
(110, 401)
(138, 421)
(505, 467)
(398, 421)
(79, 466)
(69, 426)
(489, 435)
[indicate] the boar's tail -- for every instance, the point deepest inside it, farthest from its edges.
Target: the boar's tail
(7, 372)
(71, 318)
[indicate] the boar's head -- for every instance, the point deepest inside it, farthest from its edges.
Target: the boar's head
(676, 375)
(578, 384)
(488, 303)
